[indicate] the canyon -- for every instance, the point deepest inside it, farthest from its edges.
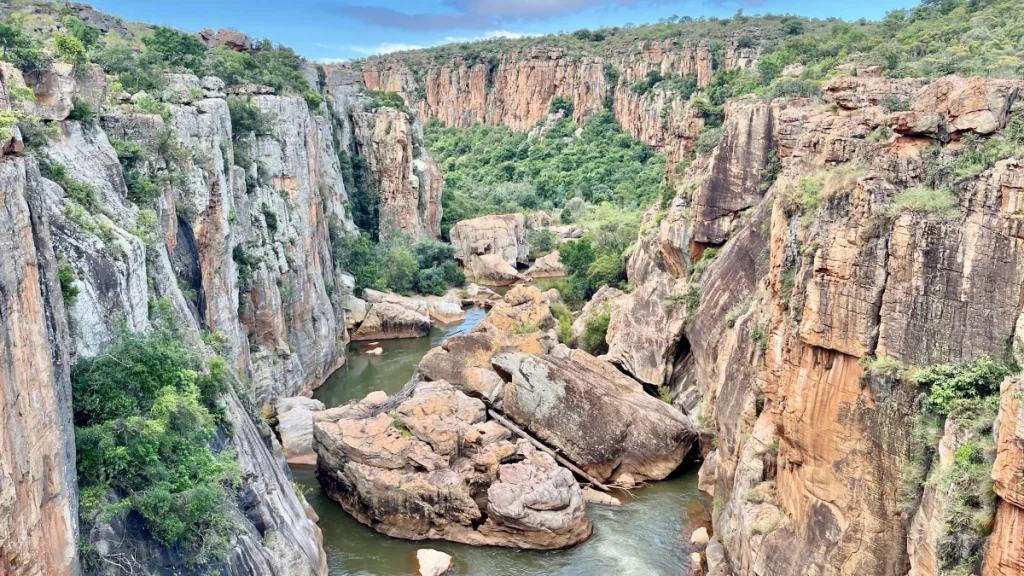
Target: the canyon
(784, 268)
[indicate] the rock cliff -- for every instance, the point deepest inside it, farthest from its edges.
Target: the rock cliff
(817, 267)
(235, 241)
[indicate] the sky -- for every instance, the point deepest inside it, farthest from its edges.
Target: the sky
(336, 30)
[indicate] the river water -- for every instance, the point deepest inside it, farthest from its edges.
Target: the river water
(648, 536)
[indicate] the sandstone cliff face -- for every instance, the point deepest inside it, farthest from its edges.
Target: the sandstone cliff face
(1005, 552)
(390, 141)
(810, 448)
(243, 253)
(38, 492)
(516, 89)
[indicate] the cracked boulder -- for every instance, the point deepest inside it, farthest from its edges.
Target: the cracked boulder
(426, 464)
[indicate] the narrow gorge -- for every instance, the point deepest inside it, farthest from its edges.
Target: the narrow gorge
(722, 297)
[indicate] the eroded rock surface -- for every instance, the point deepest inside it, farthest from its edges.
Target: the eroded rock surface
(602, 420)
(428, 465)
(502, 236)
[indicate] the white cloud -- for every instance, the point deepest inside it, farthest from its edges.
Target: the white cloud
(332, 60)
(385, 48)
(389, 47)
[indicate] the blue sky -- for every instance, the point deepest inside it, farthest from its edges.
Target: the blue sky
(329, 30)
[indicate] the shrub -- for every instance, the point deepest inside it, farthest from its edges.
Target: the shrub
(562, 104)
(18, 49)
(144, 423)
(141, 189)
(921, 199)
(69, 49)
(270, 217)
(66, 275)
(542, 242)
(246, 118)
(381, 99)
(81, 111)
(150, 105)
(595, 332)
(176, 49)
(948, 385)
(564, 316)
(708, 140)
(313, 99)
(400, 269)
(893, 103)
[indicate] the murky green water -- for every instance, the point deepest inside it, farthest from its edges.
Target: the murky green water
(649, 536)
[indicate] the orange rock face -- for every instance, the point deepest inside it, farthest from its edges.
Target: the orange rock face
(1004, 554)
(38, 497)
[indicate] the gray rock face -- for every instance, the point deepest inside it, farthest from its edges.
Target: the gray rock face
(295, 425)
(600, 419)
(736, 171)
(428, 465)
(504, 236)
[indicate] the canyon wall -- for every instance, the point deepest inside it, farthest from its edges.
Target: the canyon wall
(814, 272)
(516, 89)
(236, 245)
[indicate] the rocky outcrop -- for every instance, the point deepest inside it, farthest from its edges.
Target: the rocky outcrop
(502, 236)
(953, 105)
(492, 270)
(295, 426)
(245, 257)
(409, 181)
(735, 173)
(428, 465)
(390, 144)
(767, 355)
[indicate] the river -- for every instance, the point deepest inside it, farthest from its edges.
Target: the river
(649, 536)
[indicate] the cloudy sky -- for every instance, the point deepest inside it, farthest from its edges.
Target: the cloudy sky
(330, 30)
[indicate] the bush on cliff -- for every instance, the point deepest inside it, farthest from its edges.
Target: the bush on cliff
(145, 418)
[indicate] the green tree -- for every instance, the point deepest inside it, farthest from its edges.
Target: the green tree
(70, 49)
(176, 49)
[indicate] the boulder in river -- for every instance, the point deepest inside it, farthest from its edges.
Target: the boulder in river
(387, 321)
(426, 464)
(446, 310)
(295, 424)
(600, 419)
(433, 562)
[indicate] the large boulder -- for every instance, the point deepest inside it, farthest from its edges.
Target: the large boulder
(954, 105)
(516, 324)
(446, 310)
(549, 266)
(389, 321)
(599, 418)
(295, 425)
(524, 309)
(491, 269)
(504, 236)
(427, 464)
